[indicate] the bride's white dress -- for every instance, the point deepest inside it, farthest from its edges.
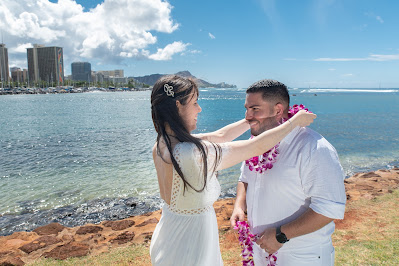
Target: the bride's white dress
(187, 233)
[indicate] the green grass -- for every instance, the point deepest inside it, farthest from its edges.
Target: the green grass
(371, 237)
(368, 253)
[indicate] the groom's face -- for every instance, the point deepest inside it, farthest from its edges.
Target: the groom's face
(260, 114)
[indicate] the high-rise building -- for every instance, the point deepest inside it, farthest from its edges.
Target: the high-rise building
(81, 71)
(18, 75)
(4, 73)
(119, 73)
(46, 64)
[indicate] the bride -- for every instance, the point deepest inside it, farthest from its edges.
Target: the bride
(186, 165)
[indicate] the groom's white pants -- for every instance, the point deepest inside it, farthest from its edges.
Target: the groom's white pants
(320, 255)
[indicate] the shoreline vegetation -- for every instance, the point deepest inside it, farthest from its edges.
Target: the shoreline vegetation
(368, 235)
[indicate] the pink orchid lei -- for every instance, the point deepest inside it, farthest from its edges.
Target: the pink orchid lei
(265, 161)
(247, 240)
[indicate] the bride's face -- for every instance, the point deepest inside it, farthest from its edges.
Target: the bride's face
(189, 112)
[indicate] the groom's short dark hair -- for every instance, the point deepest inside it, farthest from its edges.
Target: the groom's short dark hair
(272, 90)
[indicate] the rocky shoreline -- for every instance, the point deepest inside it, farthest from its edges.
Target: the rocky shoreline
(60, 242)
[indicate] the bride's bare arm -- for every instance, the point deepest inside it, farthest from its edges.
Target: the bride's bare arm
(239, 151)
(227, 133)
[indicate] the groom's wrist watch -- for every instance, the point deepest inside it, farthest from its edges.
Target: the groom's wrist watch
(280, 236)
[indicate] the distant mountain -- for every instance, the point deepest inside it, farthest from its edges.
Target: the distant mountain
(151, 79)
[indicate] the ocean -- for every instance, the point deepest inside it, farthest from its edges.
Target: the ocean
(79, 158)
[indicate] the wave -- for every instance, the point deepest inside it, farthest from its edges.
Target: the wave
(349, 90)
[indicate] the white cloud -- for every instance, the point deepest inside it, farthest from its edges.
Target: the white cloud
(211, 35)
(331, 69)
(347, 75)
(113, 30)
(373, 16)
(379, 57)
(289, 59)
(21, 48)
(17, 63)
(169, 50)
(379, 19)
(372, 57)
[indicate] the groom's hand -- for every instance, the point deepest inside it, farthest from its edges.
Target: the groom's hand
(237, 215)
(268, 241)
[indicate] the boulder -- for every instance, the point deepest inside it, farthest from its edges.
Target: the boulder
(119, 225)
(89, 229)
(68, 250)
(39, 243)
(123, 238)
(50, 229)
(149, 221)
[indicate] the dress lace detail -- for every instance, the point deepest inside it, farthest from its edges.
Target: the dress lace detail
(192, 202)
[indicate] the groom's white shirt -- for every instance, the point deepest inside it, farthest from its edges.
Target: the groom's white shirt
(307, 173)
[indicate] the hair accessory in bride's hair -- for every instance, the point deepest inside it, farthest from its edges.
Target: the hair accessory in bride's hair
(169, 90)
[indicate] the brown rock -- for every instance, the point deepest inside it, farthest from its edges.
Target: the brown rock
(11, 261)
(14, 243)
(364, 187)
(67, 238)
(372, 184)
(370, 174)
(147, 236)
(119, 225)
(63, 252)
(39, 243)
(123, 238)
(149, 221)
(50, 229)
(89, 229)
(4, 254)
(220, 209)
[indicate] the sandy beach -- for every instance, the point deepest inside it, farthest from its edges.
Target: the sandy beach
(59, 242)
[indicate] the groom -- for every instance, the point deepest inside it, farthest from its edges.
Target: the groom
(292, 205)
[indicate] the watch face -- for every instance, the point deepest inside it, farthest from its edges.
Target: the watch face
(281, 238)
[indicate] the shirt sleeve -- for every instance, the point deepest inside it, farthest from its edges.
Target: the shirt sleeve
(323, 181)
(244, 173)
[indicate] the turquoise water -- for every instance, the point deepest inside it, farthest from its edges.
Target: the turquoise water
(77, 158)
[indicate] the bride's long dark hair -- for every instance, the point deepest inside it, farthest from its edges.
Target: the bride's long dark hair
(164, 112)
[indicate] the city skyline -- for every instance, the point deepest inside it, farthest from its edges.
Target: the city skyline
(326, 43)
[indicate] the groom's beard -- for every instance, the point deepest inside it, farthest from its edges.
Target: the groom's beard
(263, 125)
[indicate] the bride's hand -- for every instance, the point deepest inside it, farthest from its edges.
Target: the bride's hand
(303, 118)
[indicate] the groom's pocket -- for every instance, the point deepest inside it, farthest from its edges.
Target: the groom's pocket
(312, 258)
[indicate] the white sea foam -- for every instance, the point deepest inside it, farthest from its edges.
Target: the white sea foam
(348, 90)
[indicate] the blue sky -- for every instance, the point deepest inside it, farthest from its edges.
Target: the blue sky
(317, 44)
